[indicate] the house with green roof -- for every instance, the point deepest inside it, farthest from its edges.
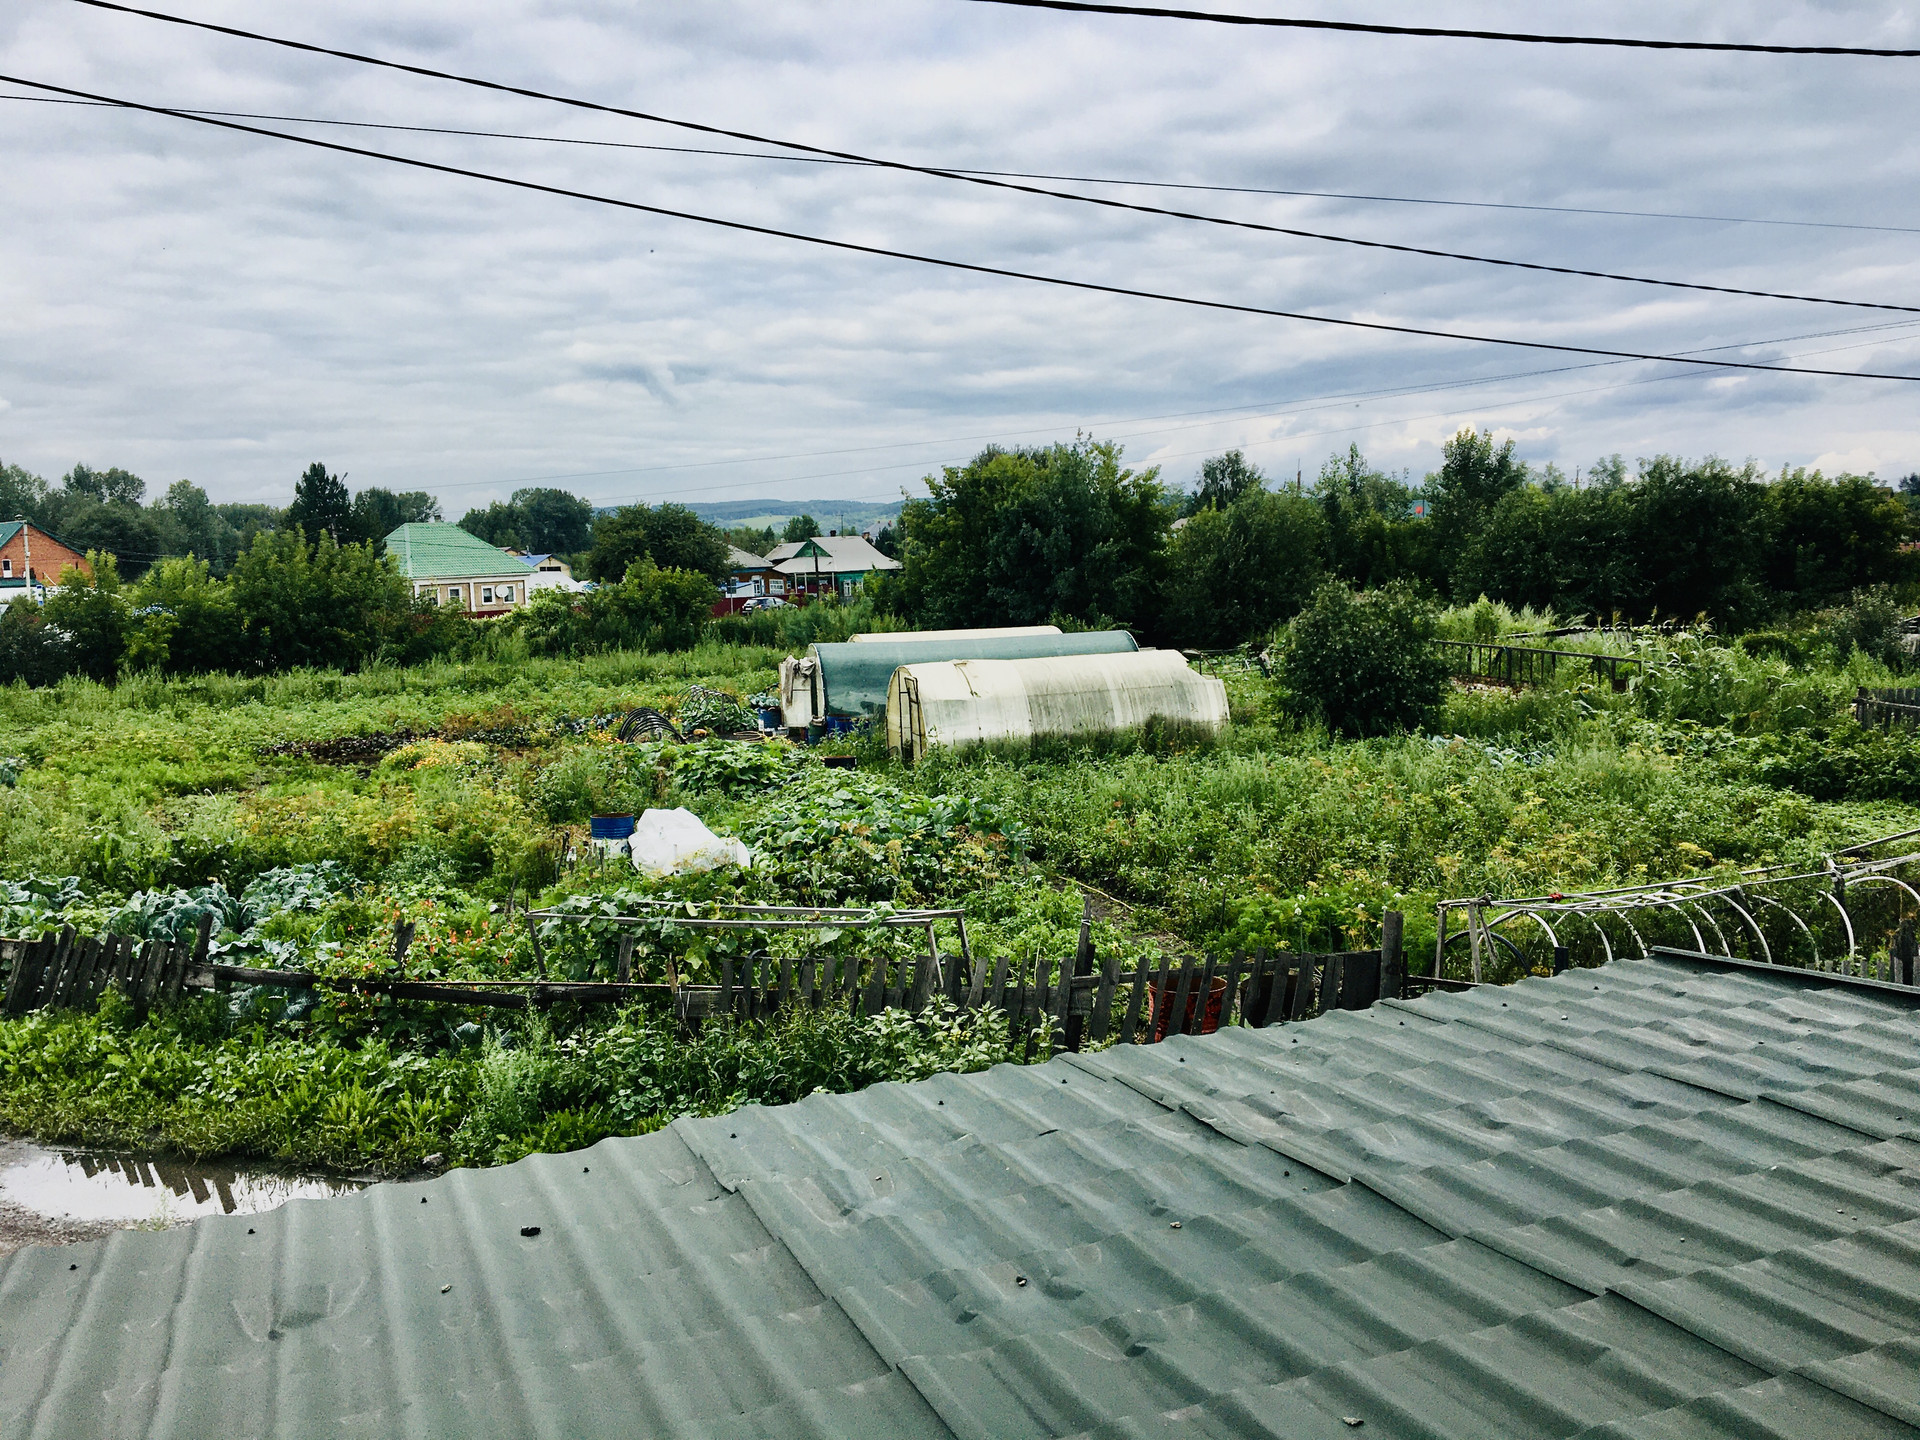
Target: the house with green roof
(456, 568)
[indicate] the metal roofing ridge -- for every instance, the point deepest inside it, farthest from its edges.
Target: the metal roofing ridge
(1909, 993)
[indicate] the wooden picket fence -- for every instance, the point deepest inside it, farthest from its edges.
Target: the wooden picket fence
(1887, 708)
(1077, 1001)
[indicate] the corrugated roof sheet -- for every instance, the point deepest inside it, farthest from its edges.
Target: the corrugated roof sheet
(431, 550)
(1664, 1198)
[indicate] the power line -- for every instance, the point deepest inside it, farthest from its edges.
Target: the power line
(1015, 174)
(1103, 201)
(964, 266)
(1261, 410)
(1444, 33)
(1020, 174)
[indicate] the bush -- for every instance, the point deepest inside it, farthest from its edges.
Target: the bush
(1363, 664)
(651, 609)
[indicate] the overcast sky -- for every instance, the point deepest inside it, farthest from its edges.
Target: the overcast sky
(187, 302)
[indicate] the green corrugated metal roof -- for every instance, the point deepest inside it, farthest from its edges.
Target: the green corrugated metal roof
(10, 529)
(855, 676)
(1663, 1198)
(437, 551)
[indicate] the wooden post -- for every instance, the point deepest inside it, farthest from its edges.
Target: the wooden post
(623, 964)
(1393, 958)
(1205, 1002)
(1129, 1024)
(1066, 1025)
(1103, 997)
(726, 986)
(1177, 1017)
(1282, 966)
(999, 1001)
(1074, 1026)
(921, 990)
(1332, 975)
(1905, 953)
(1303, 990)
(1439, 939)
(1232, 994)
(539, 955)
(877, 986)
(1561, 960)
(178, 957)
(402, 939)
(786, 982)
(23, 976)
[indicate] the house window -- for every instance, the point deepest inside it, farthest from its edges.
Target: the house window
(6, 568)
(759, 586)
(453, 594)
(506, 593)
(779, 587)
(486, 594)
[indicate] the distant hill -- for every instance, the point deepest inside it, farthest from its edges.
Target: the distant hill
(853, 515)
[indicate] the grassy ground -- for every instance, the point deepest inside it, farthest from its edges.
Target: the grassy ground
(155, 800)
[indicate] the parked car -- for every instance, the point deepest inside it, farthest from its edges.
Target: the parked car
(763, 602)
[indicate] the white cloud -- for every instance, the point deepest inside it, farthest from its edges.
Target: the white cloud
(186, 302)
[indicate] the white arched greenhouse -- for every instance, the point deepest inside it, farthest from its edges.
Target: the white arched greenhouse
(966, 702)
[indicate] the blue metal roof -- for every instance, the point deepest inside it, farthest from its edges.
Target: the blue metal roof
(1663, 1198)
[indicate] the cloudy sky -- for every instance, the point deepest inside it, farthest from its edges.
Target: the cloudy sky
(189, 302)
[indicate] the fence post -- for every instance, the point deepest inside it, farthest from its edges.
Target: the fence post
(1393, 959)
(1103, 997)
(1904, 947)
(1076, 1025)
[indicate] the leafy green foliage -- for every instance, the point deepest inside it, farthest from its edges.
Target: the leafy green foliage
(670, 537)
(650, 609)
(1363, 664)
(538, 521)
(1018, 536)
(91, 610)
(1233, 572)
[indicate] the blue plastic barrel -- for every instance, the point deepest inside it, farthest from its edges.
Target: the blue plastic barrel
(769, 719)
(612, 827)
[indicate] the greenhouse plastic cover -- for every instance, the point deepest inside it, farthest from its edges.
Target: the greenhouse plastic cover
(1665, 1198)
(991, 632)
(852, 678)
(677, 842)
(969, 701)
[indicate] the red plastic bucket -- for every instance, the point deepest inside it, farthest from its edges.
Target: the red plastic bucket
(1163, 1007)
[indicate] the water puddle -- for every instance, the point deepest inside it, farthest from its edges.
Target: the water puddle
(93, 1187)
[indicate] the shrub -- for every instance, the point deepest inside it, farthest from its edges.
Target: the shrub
(1363, 664)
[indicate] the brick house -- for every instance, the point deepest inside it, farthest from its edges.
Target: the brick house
(22, 545)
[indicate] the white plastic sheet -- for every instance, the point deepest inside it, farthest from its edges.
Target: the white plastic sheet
(675, 842)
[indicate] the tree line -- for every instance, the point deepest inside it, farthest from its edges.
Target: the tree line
(1065, 533)
(1069, 532)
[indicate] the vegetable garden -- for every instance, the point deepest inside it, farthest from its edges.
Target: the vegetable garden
(305, 816)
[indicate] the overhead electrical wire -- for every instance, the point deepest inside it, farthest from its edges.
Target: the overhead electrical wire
(1013, 174)
(1305, 405)
(962, 266)
(1356, 27)
(1105, 202)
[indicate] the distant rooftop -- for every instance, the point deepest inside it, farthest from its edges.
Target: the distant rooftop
(836, 554)
(434, 550)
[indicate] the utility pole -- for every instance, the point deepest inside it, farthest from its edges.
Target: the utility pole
(26, 538)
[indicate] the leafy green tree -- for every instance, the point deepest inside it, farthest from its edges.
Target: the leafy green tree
(377, 513)
(185, 619)
(1372, 535)
(754, 542)
(23, 495)
(321, 605)
(1233, 572)
(671, 536)
(800, 527)
(1474, 474)
(93, 613)
(105, 486)
(1224, 479)
(117, 527)
(321, 502)
(1827, 538)
(31, 650)
(187, 523)
(647, 609)
(1363, 664)
(540, 521)
(1017, 537)
(1697, 534)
